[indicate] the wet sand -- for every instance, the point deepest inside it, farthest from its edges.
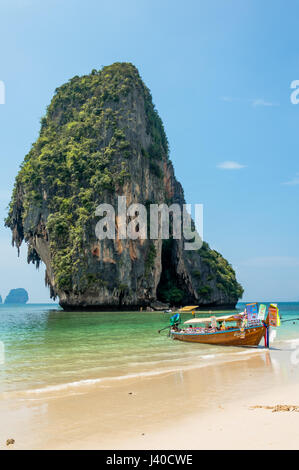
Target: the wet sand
(202, 408)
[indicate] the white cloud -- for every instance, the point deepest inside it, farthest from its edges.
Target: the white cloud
(256, 102)
(230, 165)
(262, 102)
(229, 99)
(293, 182)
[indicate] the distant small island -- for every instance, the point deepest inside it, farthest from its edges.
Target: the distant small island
(17, 296)
(0, 299)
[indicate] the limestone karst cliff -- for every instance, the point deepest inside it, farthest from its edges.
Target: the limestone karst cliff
(102, 138)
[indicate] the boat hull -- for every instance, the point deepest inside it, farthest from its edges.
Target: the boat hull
(249, 337)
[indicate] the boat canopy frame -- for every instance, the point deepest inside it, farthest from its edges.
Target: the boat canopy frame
(226, 318)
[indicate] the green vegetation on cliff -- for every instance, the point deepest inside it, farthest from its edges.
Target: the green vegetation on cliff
(222, 271)
(215, 269)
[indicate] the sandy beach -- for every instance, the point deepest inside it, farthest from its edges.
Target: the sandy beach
(201, 408)
(233, 426)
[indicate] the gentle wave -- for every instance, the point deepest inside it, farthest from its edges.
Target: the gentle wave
(294, 341)
(88, 382)
(229, 357)
(178, 360)
(251, 351)
(211, 356)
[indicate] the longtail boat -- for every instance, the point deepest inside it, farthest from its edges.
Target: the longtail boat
(243, 329)
(232, 335)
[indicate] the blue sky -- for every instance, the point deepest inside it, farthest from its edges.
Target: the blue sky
(220, 74)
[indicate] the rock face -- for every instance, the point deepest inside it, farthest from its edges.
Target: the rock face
(17, 296)
(102, 138)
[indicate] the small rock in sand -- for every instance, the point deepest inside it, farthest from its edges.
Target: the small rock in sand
(9, 442)
(285, 408)
(277, 408)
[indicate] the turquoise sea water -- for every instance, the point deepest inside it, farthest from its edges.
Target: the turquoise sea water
(47, 348)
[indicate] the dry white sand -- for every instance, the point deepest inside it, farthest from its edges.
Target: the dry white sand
(230, 426)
